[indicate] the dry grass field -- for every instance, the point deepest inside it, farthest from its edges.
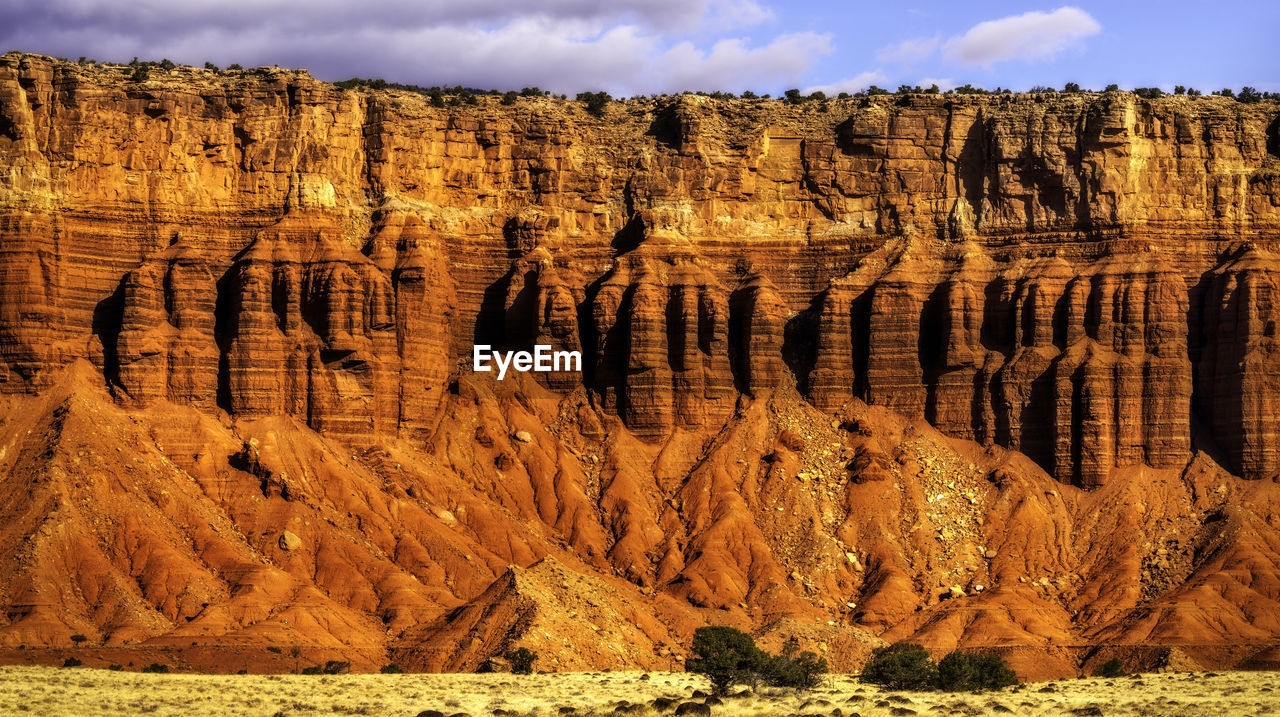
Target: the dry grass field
(79, 691)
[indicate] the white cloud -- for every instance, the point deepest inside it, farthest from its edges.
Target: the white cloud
(858, 82)
(733, 66)
(943, 83)
(1027, 37)
(623, 46)
(910, 51)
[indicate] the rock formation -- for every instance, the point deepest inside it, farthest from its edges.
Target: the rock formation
(840, 360)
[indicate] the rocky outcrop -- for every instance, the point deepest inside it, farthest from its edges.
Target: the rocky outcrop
(1083, 370)
(166, 348)
(661, 326)
(993, 372)
(1238, 369)
(1038, 272)
(352, 345)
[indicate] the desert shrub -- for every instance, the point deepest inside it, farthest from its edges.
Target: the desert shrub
(521, 659)
(114, 667)
(971, 672)
(167, 64)
(1179, 90)
(802, 671)
(1149, 93)
(509, 97)
(210, 66)
(1111, 668)
(336, 667)
(725, 655)
(1071, 87)
(156, 668)
(391, 669)
(78, 638)
(789, 669)
(312, 670)
(140, 74)
(595, 101)
(901, 666)
(234, 66)
(71, 662)
(1112, 88)
(274, 650)
(1249, 95)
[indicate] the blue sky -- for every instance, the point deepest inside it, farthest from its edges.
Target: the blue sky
(650, 46)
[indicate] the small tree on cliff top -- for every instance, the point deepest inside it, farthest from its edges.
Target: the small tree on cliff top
(595, 101)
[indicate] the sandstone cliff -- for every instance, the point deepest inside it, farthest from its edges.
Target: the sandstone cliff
(985, 303)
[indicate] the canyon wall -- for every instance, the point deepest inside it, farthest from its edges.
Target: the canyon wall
(1086, 278)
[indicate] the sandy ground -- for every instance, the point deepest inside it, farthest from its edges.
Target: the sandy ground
(81, 691)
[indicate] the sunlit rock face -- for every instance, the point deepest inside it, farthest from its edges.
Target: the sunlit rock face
(1061, 275)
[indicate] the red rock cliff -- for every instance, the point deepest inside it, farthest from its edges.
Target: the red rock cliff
(1085, 279)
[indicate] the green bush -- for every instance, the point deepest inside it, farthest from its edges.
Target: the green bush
(521, 659)
(140, 74)
(312, 670)
(1112, 88)
(726, 655)
(901, 666)
(336, 667)
(972, 672)
(1111, 668)
(391, 669)
(595, 101)
(1071, 87)
(156, 668)
(905, 666)
(78, 638)
(803, 671)
(1249, 95)
(71, 662)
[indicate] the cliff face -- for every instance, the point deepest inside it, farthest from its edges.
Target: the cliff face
(1088, 280)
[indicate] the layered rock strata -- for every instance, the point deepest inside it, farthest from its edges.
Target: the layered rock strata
(1058, 274)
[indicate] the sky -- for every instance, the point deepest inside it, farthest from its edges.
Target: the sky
(629, 47)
